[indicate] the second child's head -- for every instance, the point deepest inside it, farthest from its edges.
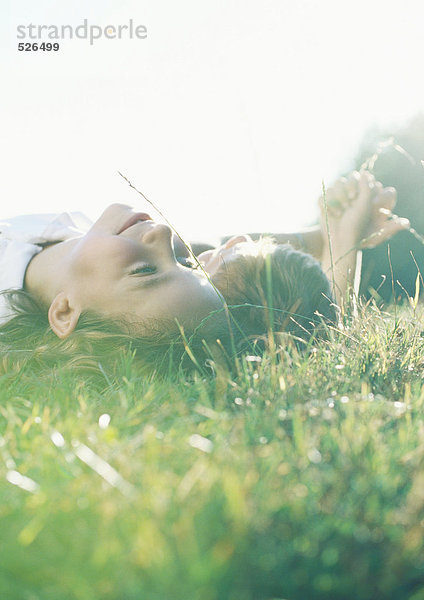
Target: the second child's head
(278, 288)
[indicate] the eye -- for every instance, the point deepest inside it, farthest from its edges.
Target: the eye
(186, 261)
(144, 270)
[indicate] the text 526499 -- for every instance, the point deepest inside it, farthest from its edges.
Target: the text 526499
(35, 47)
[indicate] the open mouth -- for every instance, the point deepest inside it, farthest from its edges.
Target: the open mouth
(135, 218)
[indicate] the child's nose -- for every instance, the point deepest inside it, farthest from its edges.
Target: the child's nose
(159, 240)
(157, 233)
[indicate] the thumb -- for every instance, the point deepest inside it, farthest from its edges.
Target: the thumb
(389, 229)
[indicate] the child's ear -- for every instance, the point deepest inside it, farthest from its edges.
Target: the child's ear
(63, 317)
(237, 239)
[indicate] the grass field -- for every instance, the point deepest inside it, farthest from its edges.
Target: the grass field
(296, 479)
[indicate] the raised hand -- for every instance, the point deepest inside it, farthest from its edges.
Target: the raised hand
(359, 210)
(356, 213)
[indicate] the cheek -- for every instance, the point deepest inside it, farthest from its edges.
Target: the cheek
(101, 255)
(194, 299)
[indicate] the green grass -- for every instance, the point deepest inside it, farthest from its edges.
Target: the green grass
(298, 479)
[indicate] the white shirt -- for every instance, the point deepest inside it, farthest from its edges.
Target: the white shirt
(22, 237)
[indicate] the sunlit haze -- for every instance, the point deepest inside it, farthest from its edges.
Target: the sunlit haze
(228, 116)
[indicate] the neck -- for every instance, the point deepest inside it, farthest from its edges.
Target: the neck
(47, 271)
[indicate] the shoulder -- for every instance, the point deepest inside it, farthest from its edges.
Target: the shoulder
(42, 228)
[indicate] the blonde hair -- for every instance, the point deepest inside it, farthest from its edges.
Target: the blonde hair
(97, 343)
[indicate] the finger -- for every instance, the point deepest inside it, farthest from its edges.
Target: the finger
(386, 198)
(386, 216)
(352, 185)
(378, 188)
(389, 229)
(365, 175)
(366, 185)
(339, 190)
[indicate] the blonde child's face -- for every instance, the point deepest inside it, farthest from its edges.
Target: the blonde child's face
(125, 267)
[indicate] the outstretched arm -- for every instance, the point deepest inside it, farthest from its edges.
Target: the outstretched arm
(308, 240)
(358, 211)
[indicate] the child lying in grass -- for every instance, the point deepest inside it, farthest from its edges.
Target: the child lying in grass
(123, 276)
(120, 277)
(272, 287)
(355, 214)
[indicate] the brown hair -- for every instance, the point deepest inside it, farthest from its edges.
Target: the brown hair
(275, 287)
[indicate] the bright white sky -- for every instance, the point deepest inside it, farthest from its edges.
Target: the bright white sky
(228, 116)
